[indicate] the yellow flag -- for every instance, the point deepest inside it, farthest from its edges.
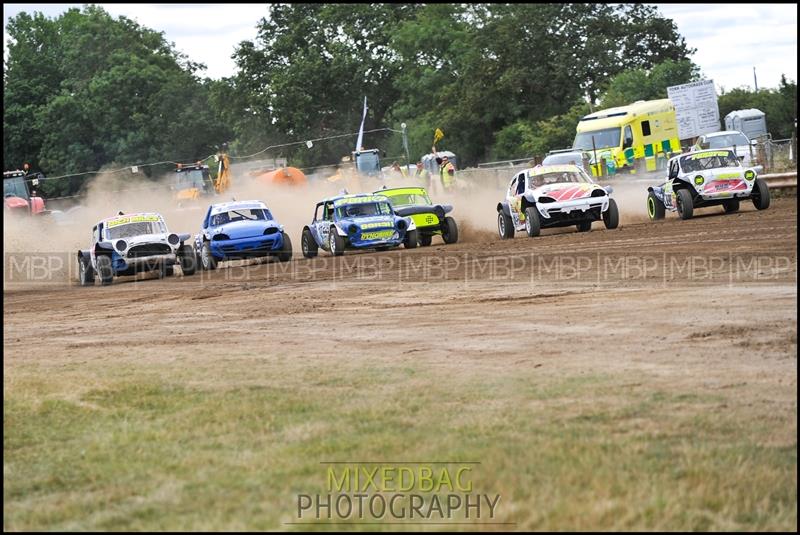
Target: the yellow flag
(437, 136)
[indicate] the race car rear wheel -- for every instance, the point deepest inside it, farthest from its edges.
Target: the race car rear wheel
(165, 271)
(425, 240)
(308, 244)
(731, 206)
(685, 203)
(286, 251)
(584, 226)
(336, 242)
(760, 195)
(655, 208)
(411, 239)
(104, 270)
(611, 216)
(85, 272)
(450, 230)
(188, 259)
(207, 259)
(532, 224)
(505, 226)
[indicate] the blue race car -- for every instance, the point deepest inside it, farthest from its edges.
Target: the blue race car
(361, 221)
(240, 229)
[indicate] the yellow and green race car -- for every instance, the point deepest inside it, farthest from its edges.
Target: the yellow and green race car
(429, 218)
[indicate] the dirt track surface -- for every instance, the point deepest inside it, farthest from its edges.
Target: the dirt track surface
(688, 282)
(676, 338)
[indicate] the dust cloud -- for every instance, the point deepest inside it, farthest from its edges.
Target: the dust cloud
(474, 201)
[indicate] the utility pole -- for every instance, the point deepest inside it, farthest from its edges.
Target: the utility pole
(755, 80)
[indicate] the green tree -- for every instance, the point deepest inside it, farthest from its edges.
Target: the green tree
(85, 90)
(648, 84)
(478, 70)
(602, 40)
(779, 105)
(311, 66)
(524, 139)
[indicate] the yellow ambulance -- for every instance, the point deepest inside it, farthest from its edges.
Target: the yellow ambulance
(644, 130)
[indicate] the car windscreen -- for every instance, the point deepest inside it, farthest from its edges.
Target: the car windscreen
(242, 214)
(728, 140)
(408, 199)
(139, 228)
(561, 159)
(556, 177)
(692, 163)
(15, 187)
(603, 139)
(363, 209)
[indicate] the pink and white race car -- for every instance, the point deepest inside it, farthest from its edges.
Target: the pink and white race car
(554, 196)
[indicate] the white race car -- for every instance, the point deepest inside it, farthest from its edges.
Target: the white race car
(554, 196)
(131, 243)
(706, 178)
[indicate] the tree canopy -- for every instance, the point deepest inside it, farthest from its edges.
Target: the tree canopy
(86, 90)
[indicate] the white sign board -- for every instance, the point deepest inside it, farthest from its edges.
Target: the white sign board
(695, 108)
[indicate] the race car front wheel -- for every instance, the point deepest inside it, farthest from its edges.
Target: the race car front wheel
(655, 208)
(207, 260)
(411, 239)
(532, 224)
(188, 259)
(85, 272)
(308, 244)
(760, 195)
(450, 230)
(336, 242)
(104, 270)
(685, 204)
(286, 251)
(611, 216)
(505, 226)
(584, 226)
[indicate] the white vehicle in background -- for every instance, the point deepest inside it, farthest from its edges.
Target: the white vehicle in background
(127, 244)
(567, 157)
(554, 196)
(729, 139)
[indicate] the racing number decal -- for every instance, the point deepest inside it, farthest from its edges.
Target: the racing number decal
(669, 194)
(324, 228)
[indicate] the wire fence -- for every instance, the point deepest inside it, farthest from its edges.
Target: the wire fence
(774, 156)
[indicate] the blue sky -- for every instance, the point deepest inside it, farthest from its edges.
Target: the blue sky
(730, 38)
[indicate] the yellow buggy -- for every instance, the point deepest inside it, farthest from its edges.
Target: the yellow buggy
(430, 219)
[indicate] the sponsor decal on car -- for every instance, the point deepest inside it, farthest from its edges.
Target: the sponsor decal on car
(131, 219)
(701, 155)
(380, 235)
(377, 224)
(359, 200)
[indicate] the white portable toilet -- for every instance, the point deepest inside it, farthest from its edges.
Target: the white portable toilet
(751, 122)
